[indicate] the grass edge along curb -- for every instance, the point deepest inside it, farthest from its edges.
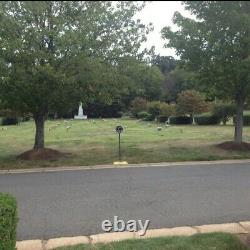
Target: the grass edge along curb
(221, 241)
(8, 221)
(241, 228)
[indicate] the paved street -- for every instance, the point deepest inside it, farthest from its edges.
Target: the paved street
(76, 202)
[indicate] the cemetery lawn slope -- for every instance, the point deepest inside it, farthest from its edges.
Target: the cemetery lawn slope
(94, 142)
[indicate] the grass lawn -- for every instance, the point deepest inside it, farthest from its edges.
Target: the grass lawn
(93, 142)
(214, 241)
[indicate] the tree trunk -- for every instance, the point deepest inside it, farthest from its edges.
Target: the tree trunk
(239, 122)
(39, 138)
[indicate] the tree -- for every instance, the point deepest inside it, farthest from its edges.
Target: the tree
(191, 102)
(177, 81)
(139, 104)
(56, 53)
(224, 111)
(216, 45)
(139, 79)
(164, 63)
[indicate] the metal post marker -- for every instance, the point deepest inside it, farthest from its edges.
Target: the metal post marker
(119, 130)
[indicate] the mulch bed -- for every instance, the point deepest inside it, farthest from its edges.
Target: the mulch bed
(230, 145)
(41, 154)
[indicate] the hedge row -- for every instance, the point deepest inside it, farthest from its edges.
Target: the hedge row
(180, 120)
(9, 121)
(4, 121)
(207, 120)
(8, 222)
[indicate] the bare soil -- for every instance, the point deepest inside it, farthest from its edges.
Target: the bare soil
(230, 145)
(41, 154)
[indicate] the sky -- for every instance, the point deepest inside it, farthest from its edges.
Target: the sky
(160, 13)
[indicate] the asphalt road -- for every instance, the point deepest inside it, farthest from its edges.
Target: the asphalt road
(71, 203)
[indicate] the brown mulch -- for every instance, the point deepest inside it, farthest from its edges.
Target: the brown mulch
(230, 145)
(41, 154)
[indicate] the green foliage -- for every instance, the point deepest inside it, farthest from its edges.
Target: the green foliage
(96, 110)
(207, 119)
(137, 105)
(149, 118)
(142, 115)
(56, 53)
(9, 121)
(177, 81)
(224, 111)
(139, 79)
(8, 222)
(216, 45)
(167, 109)
(164, 63)
(190, 102)
(154, 108)
(180, 120)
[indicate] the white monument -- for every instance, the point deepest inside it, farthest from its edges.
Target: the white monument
(80, 115)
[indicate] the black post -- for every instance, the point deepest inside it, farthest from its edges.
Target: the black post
(119, 146)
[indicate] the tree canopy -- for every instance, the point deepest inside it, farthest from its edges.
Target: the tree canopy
(57, 53)
(216, 44)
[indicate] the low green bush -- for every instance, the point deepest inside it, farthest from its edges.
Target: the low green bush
(162, 118)
(154, 108)
(178, 120)
(142, 115)
(9, 121)
(207, 119)
(8, 222)
(167, 109)
(149, 118)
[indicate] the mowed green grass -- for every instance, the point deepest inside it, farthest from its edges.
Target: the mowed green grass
(91, 142)
(213, 241)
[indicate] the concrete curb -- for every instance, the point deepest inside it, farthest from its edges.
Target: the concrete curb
(242, 227)
(141, 165)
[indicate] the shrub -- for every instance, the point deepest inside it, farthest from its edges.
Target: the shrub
(207, 119)
(224, 111)
(154, 108)
(137, 105)
(191, 102)
(8, 222)
(9, 121)
(142, 115)
(149, 118)
(180, 120)
(167, 109)
(162, 118)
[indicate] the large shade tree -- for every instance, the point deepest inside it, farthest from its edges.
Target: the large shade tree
(54, 53)
(216, 44)
(139, 79)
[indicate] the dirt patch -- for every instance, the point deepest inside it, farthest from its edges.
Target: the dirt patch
(230, 145)
(244, 238)
(41, 154)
